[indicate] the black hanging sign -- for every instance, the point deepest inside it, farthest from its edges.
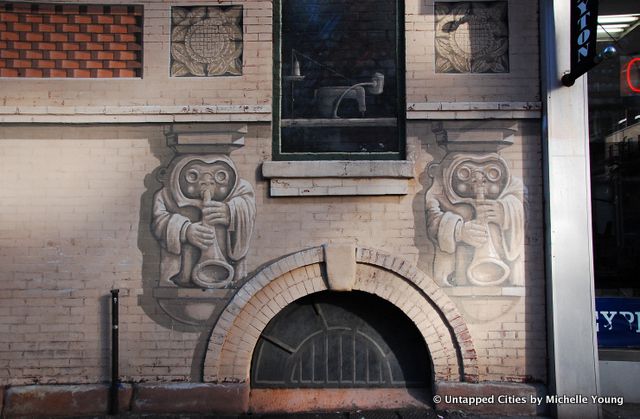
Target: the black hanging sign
(584, 31)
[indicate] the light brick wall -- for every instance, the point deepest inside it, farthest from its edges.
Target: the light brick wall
(66, 239)
(75, 204)
(74, 223)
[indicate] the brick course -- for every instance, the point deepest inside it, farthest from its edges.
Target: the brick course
(33, 28)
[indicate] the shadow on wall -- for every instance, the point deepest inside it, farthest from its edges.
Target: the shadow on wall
(425, 144)
(147, 244)
(105, 334)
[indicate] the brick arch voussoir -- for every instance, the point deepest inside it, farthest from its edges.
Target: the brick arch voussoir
(437, 298)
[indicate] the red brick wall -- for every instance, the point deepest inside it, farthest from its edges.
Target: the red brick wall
(70, 40)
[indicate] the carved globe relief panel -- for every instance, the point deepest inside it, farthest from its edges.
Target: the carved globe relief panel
(206, 41)
(472, 37)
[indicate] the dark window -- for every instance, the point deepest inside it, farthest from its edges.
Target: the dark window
(341, 340)
(339, 79)
(614, 124)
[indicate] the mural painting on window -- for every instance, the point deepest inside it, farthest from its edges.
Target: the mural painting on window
(339, 81)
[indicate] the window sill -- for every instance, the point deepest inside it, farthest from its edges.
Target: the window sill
(338, 178)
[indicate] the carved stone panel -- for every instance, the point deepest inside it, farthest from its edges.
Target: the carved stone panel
(203, 218)
(206, 41)
(476, 219)
(472, 37)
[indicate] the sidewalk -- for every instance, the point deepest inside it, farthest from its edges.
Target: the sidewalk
(373, 414)
(627, 411)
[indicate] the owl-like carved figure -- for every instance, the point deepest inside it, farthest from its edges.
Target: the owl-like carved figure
(203, 217)
(475, 218)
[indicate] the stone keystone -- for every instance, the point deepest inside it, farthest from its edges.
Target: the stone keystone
(340, 260)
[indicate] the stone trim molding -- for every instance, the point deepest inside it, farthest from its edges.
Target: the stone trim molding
(134, 114)
(259, 299)
(245, 113)
(474, 110)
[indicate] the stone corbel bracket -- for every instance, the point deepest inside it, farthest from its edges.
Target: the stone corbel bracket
(477, 139)
(191, 306)
(210, 139)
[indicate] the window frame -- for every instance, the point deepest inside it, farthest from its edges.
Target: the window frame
(277, 154)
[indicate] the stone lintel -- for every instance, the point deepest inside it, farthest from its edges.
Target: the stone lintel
(338, 178)
(398, 169)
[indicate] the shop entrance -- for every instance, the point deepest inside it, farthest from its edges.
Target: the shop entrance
(341, 340)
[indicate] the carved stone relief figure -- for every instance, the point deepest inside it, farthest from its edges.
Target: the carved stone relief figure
(475, 218)
(203, 218)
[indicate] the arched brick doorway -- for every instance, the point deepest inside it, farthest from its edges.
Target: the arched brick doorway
(236, 334)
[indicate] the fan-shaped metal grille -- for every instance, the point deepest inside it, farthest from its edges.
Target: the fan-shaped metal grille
(340, 340)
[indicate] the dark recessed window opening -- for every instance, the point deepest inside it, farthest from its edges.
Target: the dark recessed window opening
(340, 79)
(341, 340)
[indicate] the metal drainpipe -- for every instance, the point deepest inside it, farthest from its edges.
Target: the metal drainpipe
(113, 390)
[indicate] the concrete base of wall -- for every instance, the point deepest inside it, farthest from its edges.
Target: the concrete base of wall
(62, 400)
(228, 399)
(93, 399)
(190, 398)
(325, 399)
(491, 398)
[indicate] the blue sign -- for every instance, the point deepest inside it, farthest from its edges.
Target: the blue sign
(618, 322)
